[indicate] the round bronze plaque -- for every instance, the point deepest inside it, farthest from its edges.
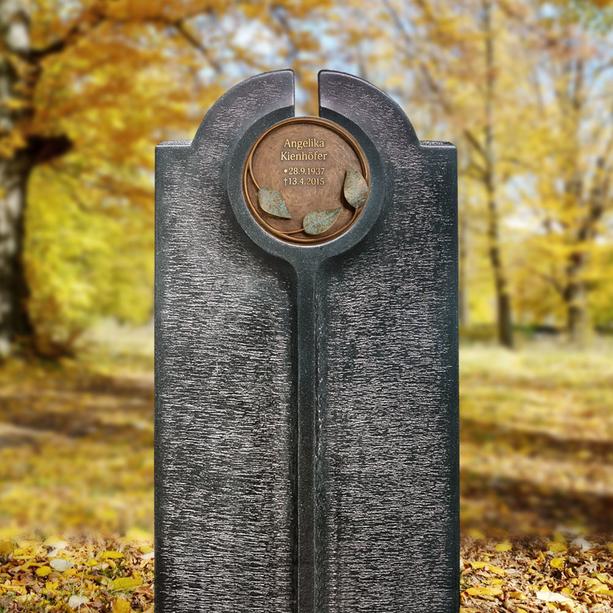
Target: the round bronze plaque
(306, 180)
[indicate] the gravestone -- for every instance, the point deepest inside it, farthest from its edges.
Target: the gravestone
(306, 358)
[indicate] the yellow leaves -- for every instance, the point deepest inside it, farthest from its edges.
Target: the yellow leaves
(604, 578)
(597, 586)
(556, 547)
(478, 565)
(558, 563)
(504, 546)
(118, 471)
(6, 548)
(125, 584)
(494, 585)
(14, 104)
(12, 586)
(26, 551)
(484, 591)
(121, 605)
(533, 579)
(11, 142)
(81, 277)
(111, 555)
(100, 580)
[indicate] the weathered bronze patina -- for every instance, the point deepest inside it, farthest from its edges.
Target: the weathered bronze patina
(306, 180)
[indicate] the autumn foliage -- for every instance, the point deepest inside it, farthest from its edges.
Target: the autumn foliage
(88, 87)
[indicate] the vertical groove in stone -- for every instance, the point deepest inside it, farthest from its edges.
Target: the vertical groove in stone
(306, 436)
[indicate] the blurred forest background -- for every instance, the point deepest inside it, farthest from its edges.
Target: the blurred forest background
(525, 90)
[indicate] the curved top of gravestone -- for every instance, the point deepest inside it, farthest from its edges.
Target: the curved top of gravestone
(352, 97)
(265, 98)
(254, 97)
(376, 121)
(339, 92)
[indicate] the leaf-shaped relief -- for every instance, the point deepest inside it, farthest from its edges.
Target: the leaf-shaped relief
(273, 203)
(355, 189)
(318, 222)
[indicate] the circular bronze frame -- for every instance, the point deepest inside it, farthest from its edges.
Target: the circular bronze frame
(248, 175)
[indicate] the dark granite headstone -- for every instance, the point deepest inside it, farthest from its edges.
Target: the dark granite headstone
(307, 384)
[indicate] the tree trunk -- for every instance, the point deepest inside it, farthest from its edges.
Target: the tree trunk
(20, 152)
(575, 298)
(578, 321)
(504, 319)
(503, 300)
(14, 174)
(14, 320)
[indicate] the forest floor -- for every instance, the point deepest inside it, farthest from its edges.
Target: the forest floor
(76, 481)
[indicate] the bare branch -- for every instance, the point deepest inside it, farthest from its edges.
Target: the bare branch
(281, 17)
(433, 86)
(555, 283)
(400, 26)
(184, 30)
(85, 23)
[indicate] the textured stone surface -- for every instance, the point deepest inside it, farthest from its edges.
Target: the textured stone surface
(390, 435)
(383, 387)
(223, 381)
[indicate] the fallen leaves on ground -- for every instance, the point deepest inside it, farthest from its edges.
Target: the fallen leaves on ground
(117, 576)
(96, 575)
(530, 577)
